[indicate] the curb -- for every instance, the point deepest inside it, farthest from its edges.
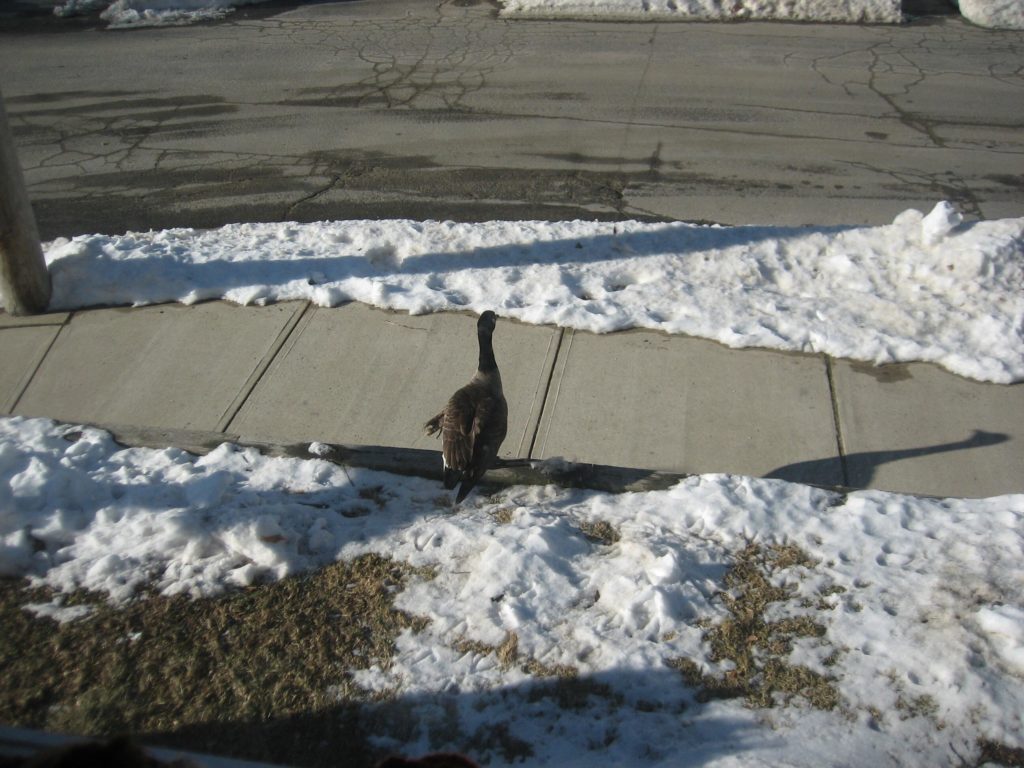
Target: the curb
(417, 462)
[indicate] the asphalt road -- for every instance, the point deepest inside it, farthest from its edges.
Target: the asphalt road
(409, 108)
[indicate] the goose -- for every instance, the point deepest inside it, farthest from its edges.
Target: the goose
(474, 422)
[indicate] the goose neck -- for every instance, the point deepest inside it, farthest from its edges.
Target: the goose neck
(487, 361)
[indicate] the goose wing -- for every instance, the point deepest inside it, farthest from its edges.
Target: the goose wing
(489, 427)
(458, 433)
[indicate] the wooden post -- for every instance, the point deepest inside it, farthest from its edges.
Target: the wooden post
(24, 281)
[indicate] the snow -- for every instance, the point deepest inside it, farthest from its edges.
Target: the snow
(926, 287)
(1005, 627)
(122, 14)
(999, 14)
(135, 13)
(851, 11)
(1004, 14)
(920, 597)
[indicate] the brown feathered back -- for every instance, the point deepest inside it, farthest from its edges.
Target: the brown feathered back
(475, 419)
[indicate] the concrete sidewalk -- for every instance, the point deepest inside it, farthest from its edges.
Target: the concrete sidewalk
(292, 373)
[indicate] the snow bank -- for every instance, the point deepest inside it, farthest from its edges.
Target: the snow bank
(999, 14)
(920, 598)
(135, 13)
(152, 13)
(923, 288)
(851, 11)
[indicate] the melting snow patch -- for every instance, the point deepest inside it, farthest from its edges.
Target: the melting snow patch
(560, 639)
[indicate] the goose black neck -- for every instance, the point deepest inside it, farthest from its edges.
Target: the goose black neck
(487, 361)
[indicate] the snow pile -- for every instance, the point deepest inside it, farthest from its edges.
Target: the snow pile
(999, 14)
(1003, 14)
(920, 598)
(923, 288)
(134, 13)
(151, 13)
(852, 11)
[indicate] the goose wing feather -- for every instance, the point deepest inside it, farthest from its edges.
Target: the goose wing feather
(458, 432)
(489, 427)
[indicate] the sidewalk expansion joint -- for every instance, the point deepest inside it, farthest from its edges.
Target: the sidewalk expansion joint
(260, 370)
(13, 404)
(836, 422)
(547, 391)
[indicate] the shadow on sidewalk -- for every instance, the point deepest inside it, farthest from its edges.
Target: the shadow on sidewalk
(858, 469)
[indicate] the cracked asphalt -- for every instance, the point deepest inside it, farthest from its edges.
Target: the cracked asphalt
(408, 108)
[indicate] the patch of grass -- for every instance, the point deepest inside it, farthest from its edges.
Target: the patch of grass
(508, 656)
(560, 671)
(262, 673)
(476, 647)
(1000, 754)
(574, 693)
(917, 706)
(374, 493)
(757, 648)
(600, 531)
(498, 739)
(508, 651)
(502, 515)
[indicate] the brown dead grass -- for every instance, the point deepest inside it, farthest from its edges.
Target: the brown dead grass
(263, 673)
(757, 648)
(1000, 754)
(600, 532)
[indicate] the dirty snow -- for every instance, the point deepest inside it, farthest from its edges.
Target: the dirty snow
(920, 598)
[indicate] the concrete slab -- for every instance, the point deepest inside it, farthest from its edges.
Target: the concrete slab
(643, 399)
(23, 321)
(168, 365)
(355, 374)
(21, 350)
(919, 429)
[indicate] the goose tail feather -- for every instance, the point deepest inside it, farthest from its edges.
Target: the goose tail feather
(433, 426)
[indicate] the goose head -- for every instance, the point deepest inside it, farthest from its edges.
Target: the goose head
(487, 322)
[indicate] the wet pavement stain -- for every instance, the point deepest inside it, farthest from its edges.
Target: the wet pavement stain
(889, 373)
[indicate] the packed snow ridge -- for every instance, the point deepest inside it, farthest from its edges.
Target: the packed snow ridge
(151, 13)
(924, 288)
(1004, 14)
(999, 14)
(919, 600)
(848, 11)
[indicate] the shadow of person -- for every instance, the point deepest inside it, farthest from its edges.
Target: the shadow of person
(857, 470)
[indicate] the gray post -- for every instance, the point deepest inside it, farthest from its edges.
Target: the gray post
(24, 281)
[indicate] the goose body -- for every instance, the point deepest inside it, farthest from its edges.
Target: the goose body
(473, 423)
